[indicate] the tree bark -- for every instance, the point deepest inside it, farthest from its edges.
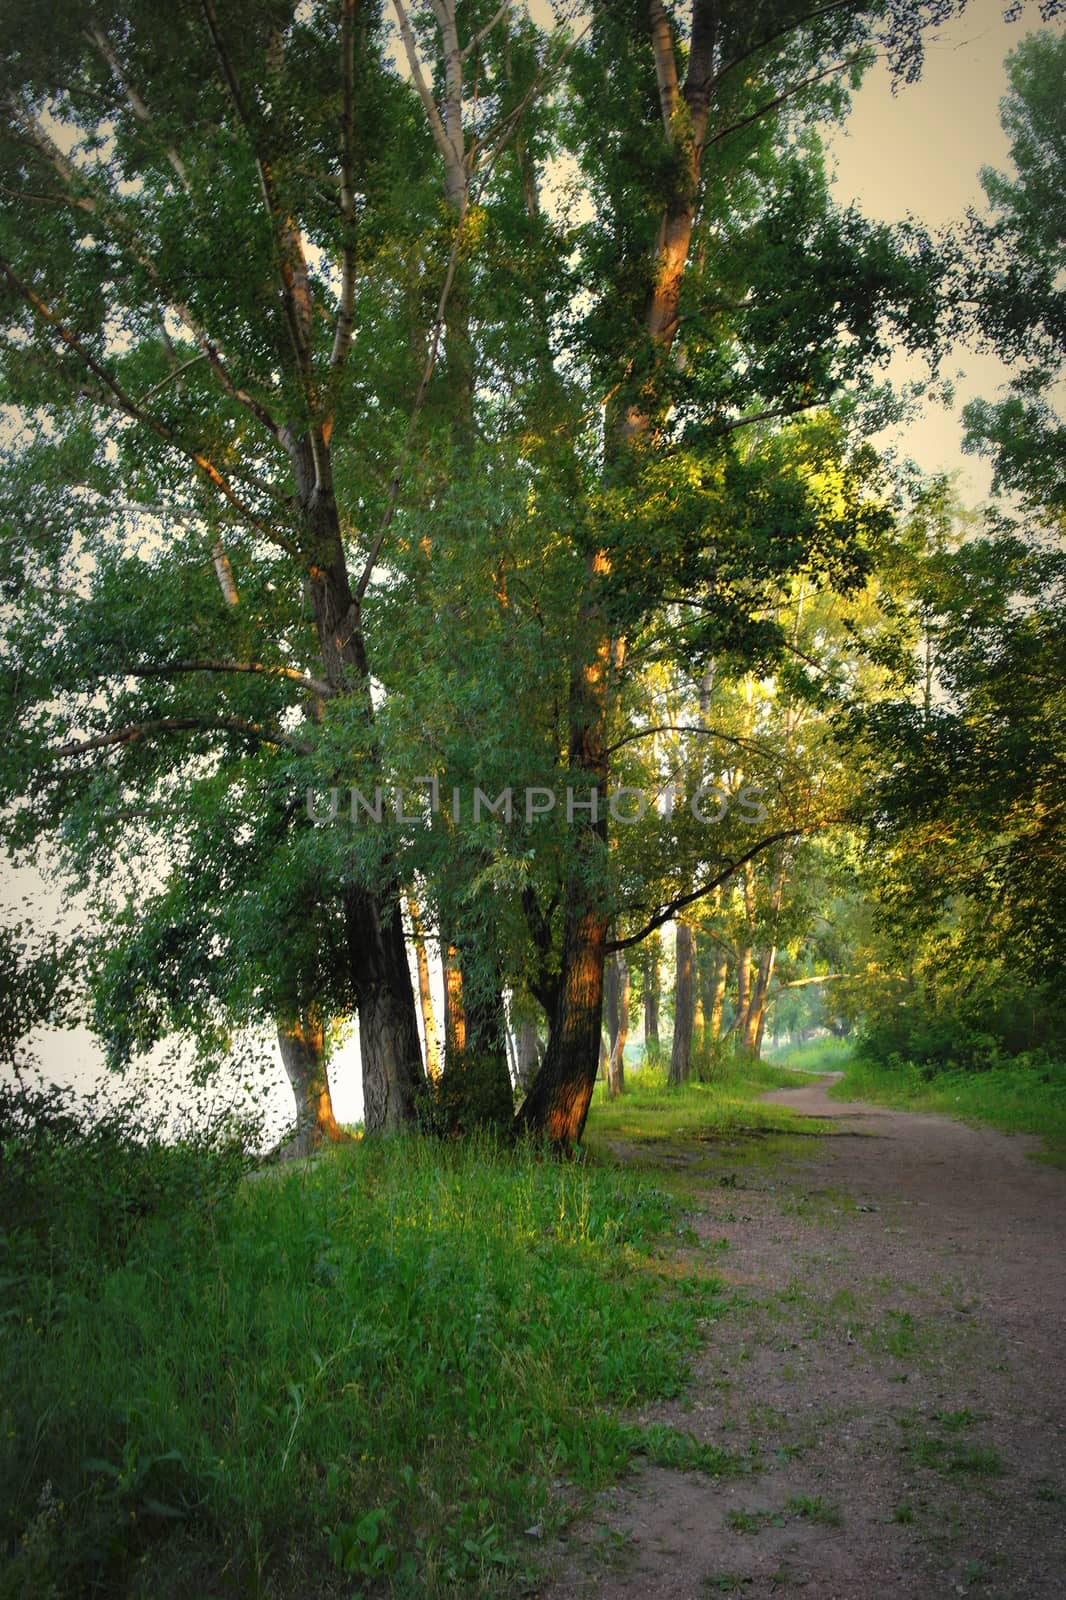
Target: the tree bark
(719, 981)
(303, 1056)
(425, 995)
(616, 1081)
(652, 992)
(755, 1020)
(681, 1051)
(377, 953)
(559, 1103)
(454, 1010)
(388, 1028)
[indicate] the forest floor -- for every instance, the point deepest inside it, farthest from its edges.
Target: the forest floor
(892, 1365)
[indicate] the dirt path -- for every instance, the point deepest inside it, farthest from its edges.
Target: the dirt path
(895, 1363)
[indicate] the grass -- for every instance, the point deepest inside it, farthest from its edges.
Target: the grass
(724, 1109)
(811, 1508)
(817, 1055)
(1028, 1099)
(380, 1371)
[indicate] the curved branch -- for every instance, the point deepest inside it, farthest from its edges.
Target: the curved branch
(727, 871)
(140, 730)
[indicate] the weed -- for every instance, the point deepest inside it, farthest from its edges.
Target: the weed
(812, 1508)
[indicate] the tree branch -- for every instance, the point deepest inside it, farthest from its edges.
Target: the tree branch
(296, 296)
(129, 406)
(140, 730)
(342, 338)
(292, 674)
(420, 400)
(668, 911)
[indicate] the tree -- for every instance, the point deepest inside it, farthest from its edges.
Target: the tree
(705, 320)
(1017, 293)
(209, 227)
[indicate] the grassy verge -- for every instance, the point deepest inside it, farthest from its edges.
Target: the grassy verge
(819, 1055)
(387, 1373)
(1015, 1100)
(725, 1109)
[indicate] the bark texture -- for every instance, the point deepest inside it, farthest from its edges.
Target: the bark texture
(684, 1007)
(303, 1057)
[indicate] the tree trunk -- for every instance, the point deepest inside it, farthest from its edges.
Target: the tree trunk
(303, 1057)
(611, 995)
(755, 1020)
(558, 1102)
(530, 1054)
(616, 1081)
(719, 980)
(681, 1052)
(652, 991)
(454, 1010)
(697, 996)
(377, 953)
(425, 996)
(740, 1021)
(388, 1027)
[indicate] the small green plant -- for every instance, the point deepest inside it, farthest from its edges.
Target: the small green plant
(904, 1513)
(813, 1508)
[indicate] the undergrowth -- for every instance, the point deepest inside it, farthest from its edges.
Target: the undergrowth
(390, 1372)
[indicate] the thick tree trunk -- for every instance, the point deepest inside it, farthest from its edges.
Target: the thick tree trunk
(388, 1027)
(303, 1057)
(558, 1102)
(616, 1081)
(681, 1052)
(377, 954)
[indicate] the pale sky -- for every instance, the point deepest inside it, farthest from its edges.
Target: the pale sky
(917, 152)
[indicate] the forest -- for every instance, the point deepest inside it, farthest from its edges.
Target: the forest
(455, 597)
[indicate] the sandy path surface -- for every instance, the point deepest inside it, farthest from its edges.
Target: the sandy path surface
(894, 1362)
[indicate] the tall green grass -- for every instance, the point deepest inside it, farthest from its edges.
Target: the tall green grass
(377, 1373)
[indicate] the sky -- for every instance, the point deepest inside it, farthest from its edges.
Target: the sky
(917, 152)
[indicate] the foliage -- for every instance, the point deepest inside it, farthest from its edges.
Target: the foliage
(379, 1367)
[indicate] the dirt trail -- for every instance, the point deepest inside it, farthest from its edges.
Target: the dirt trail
(895, 1360)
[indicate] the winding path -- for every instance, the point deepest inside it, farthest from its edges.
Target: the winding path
(896, 1357)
